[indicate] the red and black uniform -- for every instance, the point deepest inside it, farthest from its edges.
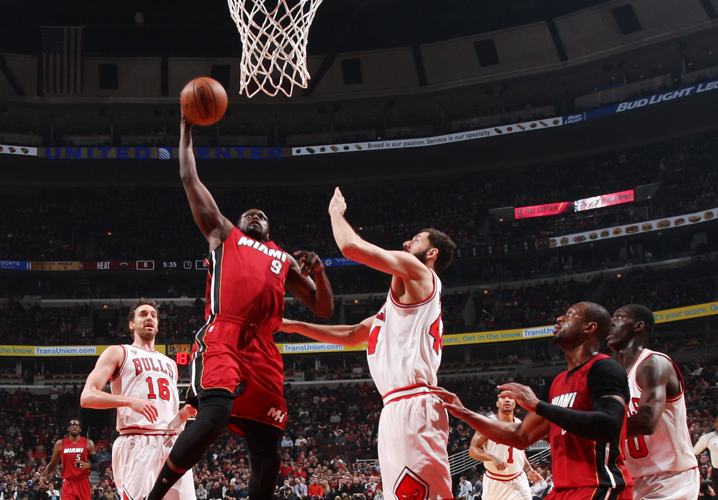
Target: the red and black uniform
(234, 351)
(584, 469)
(76, 484)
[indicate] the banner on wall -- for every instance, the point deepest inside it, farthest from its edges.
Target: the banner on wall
(629, 229)
(544, 210)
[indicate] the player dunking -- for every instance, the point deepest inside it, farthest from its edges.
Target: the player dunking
(78, 458)
(144, 391)
(237, 376)
(586, 416)
(506, 467)
(659, 454)
(403, 353)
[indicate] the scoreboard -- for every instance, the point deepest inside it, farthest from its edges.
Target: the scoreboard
(181, 352)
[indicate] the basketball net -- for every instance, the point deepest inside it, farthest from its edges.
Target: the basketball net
(274, 44)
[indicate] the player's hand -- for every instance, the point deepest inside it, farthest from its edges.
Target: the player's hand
(190, 410)
(81, 465)
(450, 401)
(185, 124)
(499, 464)
(309, 262)
(338, 205)
(44, 481)
(522, 394)
(145, 408)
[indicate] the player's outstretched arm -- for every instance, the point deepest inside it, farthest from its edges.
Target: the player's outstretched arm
(348, 335)
(517, 434)
(54, 462)
(653, 377)
(317, 294)
(352, 246)
(93, 395)
(205, 211)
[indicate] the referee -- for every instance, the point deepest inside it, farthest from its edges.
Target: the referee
(710, 441)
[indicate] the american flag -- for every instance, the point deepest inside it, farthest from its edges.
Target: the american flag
(62, 60)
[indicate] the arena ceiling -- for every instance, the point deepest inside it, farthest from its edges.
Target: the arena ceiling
(204, 28)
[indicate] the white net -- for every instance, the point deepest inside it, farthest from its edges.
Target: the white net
(274, 44)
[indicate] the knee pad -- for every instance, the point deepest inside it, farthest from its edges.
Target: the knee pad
(212, 418)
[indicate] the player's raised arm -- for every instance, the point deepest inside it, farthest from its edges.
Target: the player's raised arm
(352, 246)
(211, 222)
(347, 335)
(93, 395)
(317, 294)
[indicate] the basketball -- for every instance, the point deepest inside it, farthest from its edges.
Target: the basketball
(204, 101)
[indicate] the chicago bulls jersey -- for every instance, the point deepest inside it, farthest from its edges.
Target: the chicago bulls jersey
(404, 347)
(515, 459)
(669, 448)
(246, 281)
(71, 453)
(578, 462)
(147, 375)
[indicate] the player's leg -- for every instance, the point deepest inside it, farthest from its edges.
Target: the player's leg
(212, 417)
(264, 460)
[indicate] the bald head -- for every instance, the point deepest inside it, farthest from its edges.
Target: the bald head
(595, 313)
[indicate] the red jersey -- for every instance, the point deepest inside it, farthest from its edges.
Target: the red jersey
(70, 453)
(246, 281)
(577, 462)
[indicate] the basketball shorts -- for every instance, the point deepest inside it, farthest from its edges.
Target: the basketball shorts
(514, 489)
(136, 462)
(229, 356)
(412, 441)
(591, 494)
(683, 485)
(76, 490)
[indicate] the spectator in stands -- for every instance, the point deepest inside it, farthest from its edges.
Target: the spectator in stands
(466, 489)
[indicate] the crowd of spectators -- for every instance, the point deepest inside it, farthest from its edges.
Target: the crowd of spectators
(42, 224)
(463, 310)
(328, 449)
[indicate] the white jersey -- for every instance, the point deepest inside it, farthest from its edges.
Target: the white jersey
(146, 375)
(404, 349)
(669, 448)
(709, 441)
(515, 459)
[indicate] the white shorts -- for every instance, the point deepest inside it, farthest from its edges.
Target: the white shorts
(136, 462)
(412, 441)
(670, 485)
(515, 489)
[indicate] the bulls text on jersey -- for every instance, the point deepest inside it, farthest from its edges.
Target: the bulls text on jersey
(148, 365)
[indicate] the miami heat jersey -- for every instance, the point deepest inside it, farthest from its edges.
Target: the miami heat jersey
(246, 281)
(146, 375)
(404, 347)
(669, 448)
(577, 462)
(515, 459)
(71, 453)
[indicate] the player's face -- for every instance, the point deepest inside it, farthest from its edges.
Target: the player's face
(568, 331)
(506, 404)
(418, 246)
(146, 322)
(74, 428)
(622, 329)
(255, 224)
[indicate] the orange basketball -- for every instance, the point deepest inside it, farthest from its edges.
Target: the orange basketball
(204, 101)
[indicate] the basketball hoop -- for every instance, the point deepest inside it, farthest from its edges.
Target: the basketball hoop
(274, 44)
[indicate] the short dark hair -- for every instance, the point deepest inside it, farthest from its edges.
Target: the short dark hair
(444, 245)
(642, 313)
(142, 302)
(598, 314)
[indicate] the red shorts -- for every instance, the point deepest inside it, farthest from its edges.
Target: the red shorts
(591, 494)
(75, 490)
(230, 356)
